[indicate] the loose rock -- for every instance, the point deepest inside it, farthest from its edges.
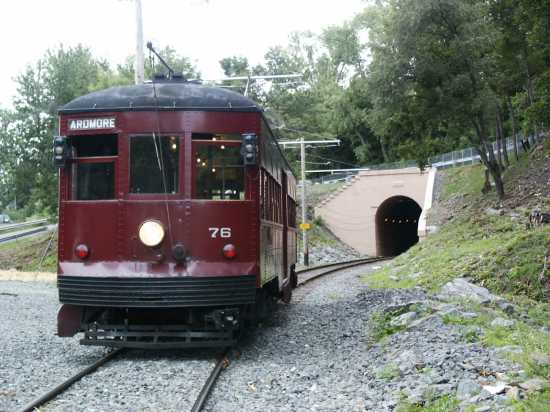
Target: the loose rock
(533, 385)
(540, 359)
(404, 319)
(501, 322)
(462, 289)
(467, 388)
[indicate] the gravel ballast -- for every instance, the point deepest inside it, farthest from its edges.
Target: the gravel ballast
(34, 360)
(318, 354)
(315, 354)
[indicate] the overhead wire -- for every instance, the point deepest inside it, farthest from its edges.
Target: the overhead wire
(333, 160)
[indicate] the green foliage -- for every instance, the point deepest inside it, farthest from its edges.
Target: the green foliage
(388, 372)
(26, 254)
(466, 179)
(381, 323)
(431, 75)
(235, 66)
(494, 251)
(535, 403)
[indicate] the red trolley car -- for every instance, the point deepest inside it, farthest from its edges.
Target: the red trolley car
(177, 219)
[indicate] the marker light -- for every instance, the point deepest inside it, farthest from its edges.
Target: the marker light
(229, 251)
(82, 251)
(151, 233)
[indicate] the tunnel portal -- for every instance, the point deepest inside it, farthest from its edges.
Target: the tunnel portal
(396, 225)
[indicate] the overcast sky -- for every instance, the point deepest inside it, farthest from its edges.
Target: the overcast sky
(205, 31)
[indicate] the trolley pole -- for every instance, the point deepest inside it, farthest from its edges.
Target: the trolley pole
(304, 203)
(139, 69)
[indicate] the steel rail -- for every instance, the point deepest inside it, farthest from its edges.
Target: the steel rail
(336, 267)
(326, 265)
(69, 382)
(23, 234)
(18, 225)
(209, 384)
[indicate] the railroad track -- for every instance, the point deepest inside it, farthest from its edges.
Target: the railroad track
(221, 363)
(62, 387)
(13, 231)
(304, 276)
(17, 235)
(315, 272)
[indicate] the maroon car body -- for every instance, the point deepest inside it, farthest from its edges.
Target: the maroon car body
(172, 153)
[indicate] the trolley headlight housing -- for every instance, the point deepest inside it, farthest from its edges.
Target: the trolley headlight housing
(151, 233)
(249, 149)
(61, 151)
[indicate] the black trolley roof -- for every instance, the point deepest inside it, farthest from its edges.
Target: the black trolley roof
(161, 96)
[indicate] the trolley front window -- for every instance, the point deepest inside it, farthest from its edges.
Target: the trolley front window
(95, 181)
(154, 164)
(93, 169)
(219, 170)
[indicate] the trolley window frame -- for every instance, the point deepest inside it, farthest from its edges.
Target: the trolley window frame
(181, 136)
(197, 143)
(74, 161)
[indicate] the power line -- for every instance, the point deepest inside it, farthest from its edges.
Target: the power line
(335, 161)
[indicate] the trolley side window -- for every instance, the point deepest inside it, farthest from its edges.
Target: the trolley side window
(93, 170)
(154, 164)
(219, 170)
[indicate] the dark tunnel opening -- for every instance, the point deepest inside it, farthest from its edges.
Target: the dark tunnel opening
(396, 225)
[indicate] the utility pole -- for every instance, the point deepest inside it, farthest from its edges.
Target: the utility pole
(305, 226)
(139, 69)
(304, 214)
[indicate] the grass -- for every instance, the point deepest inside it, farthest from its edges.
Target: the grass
(495, 251)
(381, 323)
(460, 180)
(25, 254)
(535, 403)
(316, 193)
(527, 336)
(388, 372)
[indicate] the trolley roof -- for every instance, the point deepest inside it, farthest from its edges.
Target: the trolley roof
(169, 96)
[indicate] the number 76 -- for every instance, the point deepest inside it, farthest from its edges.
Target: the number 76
(224, 232)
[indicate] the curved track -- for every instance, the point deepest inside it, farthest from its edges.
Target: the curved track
(304, 276)
(221, 364)
(309, 274)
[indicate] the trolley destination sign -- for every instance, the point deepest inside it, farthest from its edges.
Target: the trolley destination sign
(92, 123)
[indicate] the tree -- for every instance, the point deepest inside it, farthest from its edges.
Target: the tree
(237, 66)
(433, 63)
(60, 76)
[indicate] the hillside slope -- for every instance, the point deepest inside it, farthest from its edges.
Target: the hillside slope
(490, 243)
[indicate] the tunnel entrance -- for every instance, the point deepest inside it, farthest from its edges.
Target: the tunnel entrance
(396, 225)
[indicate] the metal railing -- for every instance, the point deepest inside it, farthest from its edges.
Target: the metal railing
(470, 156)
(17, 235)
(450, 159)
(4, 228)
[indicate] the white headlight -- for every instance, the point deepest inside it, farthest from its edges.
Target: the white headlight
(151, 233)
